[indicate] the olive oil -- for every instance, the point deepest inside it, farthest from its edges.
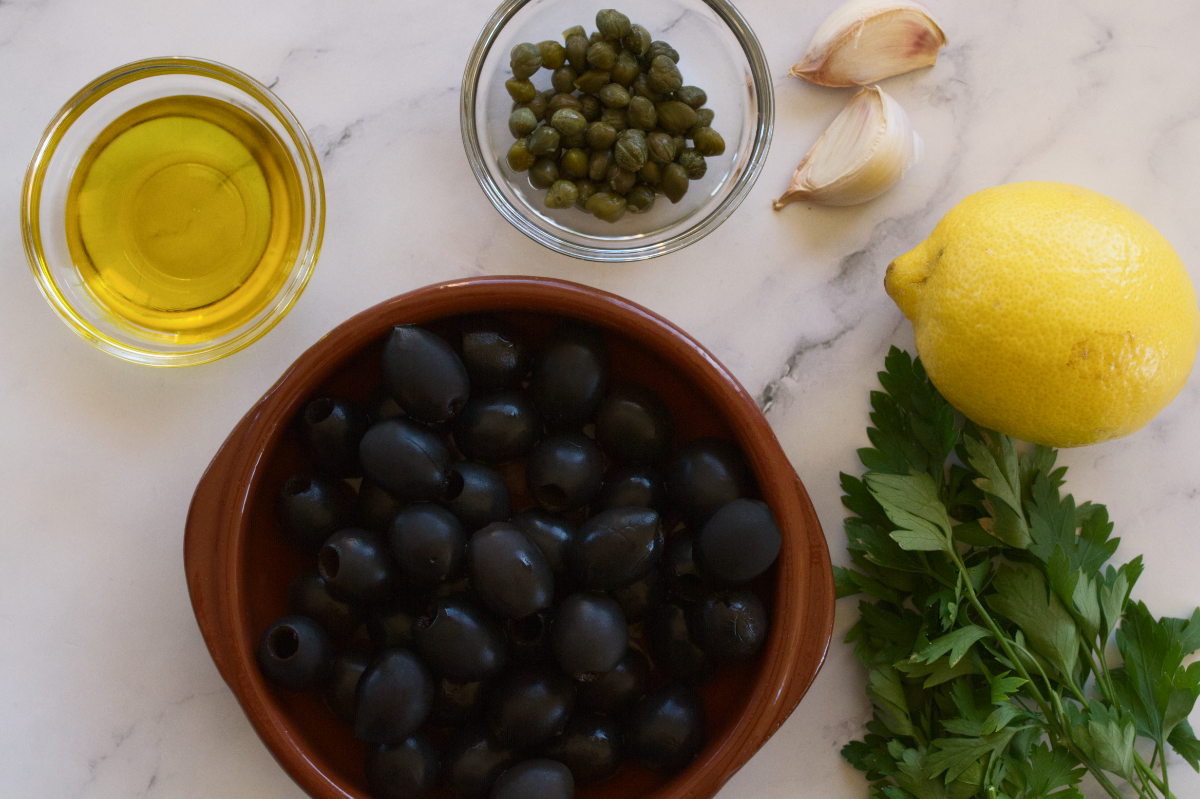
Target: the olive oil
(184, 217)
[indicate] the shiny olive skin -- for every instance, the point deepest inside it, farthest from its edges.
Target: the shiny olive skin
(614, 691)
(674, 648)
(309, 508)
(633, 485)
(508, 572)
(705, 474)
(565, 472)
(494, 354)
(529, 638)
(667, 729)
(408, 460)
(590, 746)
(570, 376)
(497, 426)
(308, 596)
(294, 653)
(393, 698)
(739, 542)
(472, 762)
(392, 624)
(455, 703)
(589, 634)
(539, 778)
(424, 374)
(375, 507)
(616, 547)
(638, 600)
(330, 429)
(633, 425)
(685, 582)
(477, 495)
(730, 625)
(552, 534)
(528, 706)
(405, 770)
(342, 686)
(459, 640)
(356, 565)
(428, 544)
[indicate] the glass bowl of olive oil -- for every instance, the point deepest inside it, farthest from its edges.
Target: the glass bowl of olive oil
(173, 212)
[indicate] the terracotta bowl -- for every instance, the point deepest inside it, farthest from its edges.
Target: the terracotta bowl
(238, 566)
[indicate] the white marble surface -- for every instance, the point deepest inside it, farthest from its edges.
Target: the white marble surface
(106, 689)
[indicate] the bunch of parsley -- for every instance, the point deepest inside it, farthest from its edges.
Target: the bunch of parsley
(990, 606)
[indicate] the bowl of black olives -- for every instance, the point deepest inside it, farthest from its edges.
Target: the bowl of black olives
(509, 537)
(615, 137)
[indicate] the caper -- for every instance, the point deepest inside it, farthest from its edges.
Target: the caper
(601, 55)
(620, 180)
(554, 55)
(544, 140)
(674, 116)
(520, 89)
(574, 141)
(680, 143)
(519, 157)
(521, 122)
(704, 117)
(692, 162)
(575, 162)
(660, 147)
(537, 105)
(590, 107)
(591, 81)
(560, 101)
(637, 41)
(574, 30)
(586, 189)
(663, 76)
(567, 121)
(576, 47)
(674, 182)
(660, 48)
(543, 174)
(639, 199)
(692, 95)
(630, 151)
(598, 165)
(526, 60)
(615, 117)
(606, 205)
(612, 24)
(707, 141)
(641, 88)
(625, 69)
(641, 114)
(614, 95)
(601, 135)
(563, 79)
(562, 194)
(650, 173)
(594, 37)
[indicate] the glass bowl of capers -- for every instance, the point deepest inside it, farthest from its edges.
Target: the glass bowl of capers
(609, 137)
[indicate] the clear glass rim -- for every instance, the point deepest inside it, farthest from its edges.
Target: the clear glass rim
(309, 176)
(763, 129)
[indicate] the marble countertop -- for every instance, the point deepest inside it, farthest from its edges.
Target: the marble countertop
(107, 688)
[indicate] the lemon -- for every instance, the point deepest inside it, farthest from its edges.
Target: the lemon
(1050, 313)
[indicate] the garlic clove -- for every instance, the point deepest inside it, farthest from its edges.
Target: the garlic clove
(864, 151)
(869, 40)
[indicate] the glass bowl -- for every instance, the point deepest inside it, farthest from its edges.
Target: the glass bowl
(718, 52)
(173, 211)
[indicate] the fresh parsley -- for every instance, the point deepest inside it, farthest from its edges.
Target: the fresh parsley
(989, 601)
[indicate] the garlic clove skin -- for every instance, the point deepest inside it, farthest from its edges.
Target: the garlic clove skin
(865, 150)
(868, 40)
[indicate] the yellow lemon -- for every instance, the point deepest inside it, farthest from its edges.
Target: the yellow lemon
(1050, 312)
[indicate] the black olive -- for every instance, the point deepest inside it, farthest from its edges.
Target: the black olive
(494, 354)
(667, 729)
(739, 542)
(455, 703)
(330, 429)
(394, 697)
(615, 690)
(633, 485)
(459, 640)
(565, 472)
(429, 545)
(294, 653)
(590, 746)
(528, 706)
(704, 475)
(408, 460)
(405, 770)
(473, 761)
(375, 508)
(310, 508)
(535, 779)
(638, 599)
(684, 581)
(477, 495)
(380, 405)
(307, 596)
(570, 376)
(529, 638)
(589, 635)
(552, 534)
(730, 625)
(356, 566)
(616, 547)
(497, 427)
(508, 572)
(424, 375)
(634, 426)
(392, 624)
(342, 688)
(674, 646)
